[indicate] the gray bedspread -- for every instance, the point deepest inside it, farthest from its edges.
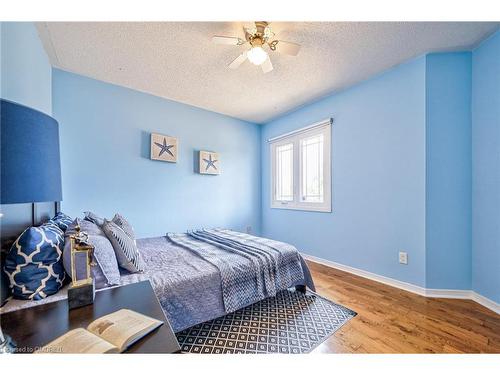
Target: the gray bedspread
(188, 287)
(251, 268)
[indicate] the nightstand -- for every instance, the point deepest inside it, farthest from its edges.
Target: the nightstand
(33, 327)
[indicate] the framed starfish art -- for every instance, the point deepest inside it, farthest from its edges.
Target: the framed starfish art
(163, 147)
(209, 162)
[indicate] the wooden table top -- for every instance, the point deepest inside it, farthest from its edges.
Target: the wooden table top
(34, 327)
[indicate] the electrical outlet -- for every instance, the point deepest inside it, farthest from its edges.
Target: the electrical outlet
(249, 229)
(403, 257)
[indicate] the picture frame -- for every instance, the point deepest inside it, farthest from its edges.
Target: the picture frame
(209, 163)
(164, 148)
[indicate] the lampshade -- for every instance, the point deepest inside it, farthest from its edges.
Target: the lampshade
(31, 167)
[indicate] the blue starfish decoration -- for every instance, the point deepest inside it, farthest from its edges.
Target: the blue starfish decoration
(164, 147)
(210, 162)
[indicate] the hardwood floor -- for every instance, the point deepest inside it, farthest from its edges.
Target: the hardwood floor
(391, 320)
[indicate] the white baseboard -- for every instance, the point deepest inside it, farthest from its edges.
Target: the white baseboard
(369, 275)
(448, 293)
(426, 292)
(486, 302)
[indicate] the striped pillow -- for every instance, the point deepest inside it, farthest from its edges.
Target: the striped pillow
(125, 249)
(124, 224)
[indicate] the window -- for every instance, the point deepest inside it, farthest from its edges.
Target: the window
(301, 168)
(284, 172)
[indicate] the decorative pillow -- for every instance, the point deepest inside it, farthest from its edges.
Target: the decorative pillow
(106, 271)
(93, 218)
(62, 221)
(34, 264)
(124, 224)
(125, 248)
(85, 226)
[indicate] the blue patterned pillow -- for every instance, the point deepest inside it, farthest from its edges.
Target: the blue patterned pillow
(34, 264)
(62, 221)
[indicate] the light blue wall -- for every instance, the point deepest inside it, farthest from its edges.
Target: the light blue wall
(406, 174)
(26, 71)
(378, 173)
(486, 168)
(448, 170)
(105, 145)
(26, 78)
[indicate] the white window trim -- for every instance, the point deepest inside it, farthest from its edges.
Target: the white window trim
(294, 137)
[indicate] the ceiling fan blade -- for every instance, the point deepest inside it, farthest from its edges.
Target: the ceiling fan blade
(267, 66)
(238, 61)
(288, 48)
(269, 32)
(249, 27)
(229, 40)
(278, 27)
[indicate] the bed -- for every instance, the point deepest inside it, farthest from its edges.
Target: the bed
(189, 287)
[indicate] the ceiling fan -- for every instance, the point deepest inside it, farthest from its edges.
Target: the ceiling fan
(259, 37)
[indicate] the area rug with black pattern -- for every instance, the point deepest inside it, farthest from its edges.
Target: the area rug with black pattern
(291, 322)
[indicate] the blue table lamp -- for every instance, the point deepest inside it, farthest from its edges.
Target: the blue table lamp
(31, 166)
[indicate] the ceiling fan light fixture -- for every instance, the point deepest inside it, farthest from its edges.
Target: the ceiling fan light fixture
(258, 36)
(256, 55)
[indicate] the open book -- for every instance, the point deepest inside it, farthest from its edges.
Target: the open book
(112, 333)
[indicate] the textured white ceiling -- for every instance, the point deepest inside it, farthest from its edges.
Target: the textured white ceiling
(178, 61)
